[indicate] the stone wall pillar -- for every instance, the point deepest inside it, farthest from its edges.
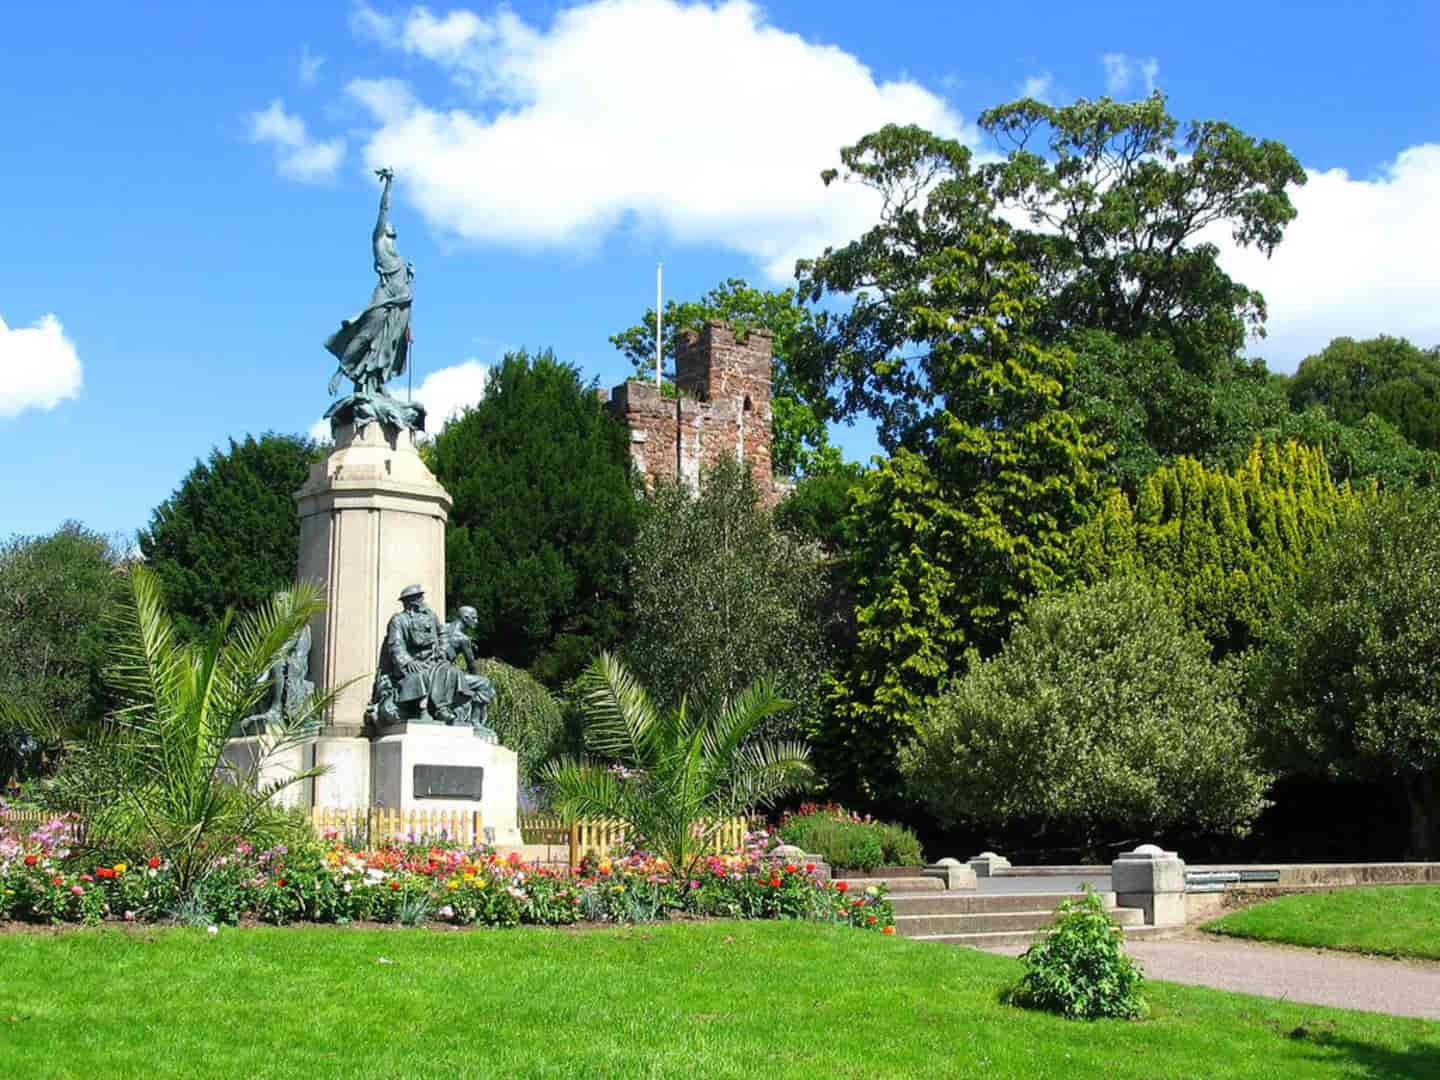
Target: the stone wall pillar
(1153, 880)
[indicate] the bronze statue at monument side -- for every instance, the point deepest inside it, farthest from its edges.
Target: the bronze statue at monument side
(374, 347)
(417, 680)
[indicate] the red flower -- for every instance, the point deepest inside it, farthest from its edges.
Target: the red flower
(57, 881)
(31, 860)
(280, 883)
(841, 886)
(395, 886)
(154, 862)
(105, 872)
(871, 920)
(809, 868)
(888, 930)
(774, 882)
(791, 868)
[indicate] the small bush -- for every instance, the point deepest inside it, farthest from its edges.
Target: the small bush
(847, 840)
(1080, 969)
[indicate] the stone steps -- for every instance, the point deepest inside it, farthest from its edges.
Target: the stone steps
(896, 886)
(992, 920)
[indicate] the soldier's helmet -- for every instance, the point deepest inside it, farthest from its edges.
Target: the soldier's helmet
(411, 591)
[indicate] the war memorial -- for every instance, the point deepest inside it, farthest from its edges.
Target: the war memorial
(406, 729)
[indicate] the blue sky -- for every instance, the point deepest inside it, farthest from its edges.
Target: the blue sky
(187, 198)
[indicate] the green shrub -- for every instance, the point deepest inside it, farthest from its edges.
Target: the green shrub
(846, 840)
(1080, 969)
(526, 716)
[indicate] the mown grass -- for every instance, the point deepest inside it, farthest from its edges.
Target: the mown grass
(1386, 920)
(772, 1000)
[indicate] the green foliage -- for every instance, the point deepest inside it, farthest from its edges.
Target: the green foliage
(152, 776)
(1117, 198)
(1223, 549)
(55, 594)
(949, 543)
(674, 775)
(1149, 408)
(1103, 715)
(848, 841)
(1386, 377)
(544, 512)
(815, 508)
(230, 534)
(1080, 969)
(1350, 678)
(799, 441)
(1368, 451)
(527, 717)
(723, 597)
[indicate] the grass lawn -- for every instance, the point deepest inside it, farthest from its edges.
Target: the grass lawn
(1387, 920)
(699, 1001)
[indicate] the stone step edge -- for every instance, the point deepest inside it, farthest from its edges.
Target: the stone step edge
(980, 939)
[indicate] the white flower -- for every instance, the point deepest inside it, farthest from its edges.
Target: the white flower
(212, 930)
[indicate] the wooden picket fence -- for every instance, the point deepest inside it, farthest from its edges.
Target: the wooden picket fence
(374, 826)
(600, 835)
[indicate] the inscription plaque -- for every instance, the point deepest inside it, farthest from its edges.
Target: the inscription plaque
(448, 781)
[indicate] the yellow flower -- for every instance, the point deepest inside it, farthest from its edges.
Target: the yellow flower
(619, 888)
(120, 868)
(452, 884)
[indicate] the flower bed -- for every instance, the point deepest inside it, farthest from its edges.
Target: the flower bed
(42, 881)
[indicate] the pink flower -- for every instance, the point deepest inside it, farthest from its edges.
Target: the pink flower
(78, 890)
(129, 916)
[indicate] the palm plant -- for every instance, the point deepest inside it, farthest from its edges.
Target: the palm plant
(673, 776)
(152, 775)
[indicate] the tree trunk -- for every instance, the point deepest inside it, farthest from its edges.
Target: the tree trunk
(1420, 789)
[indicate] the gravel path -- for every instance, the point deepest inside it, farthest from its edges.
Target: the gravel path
(1374, 984)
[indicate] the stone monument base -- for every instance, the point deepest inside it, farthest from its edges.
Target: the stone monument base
(435, 767)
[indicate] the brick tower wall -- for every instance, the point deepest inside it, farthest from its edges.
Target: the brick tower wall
(725, 411)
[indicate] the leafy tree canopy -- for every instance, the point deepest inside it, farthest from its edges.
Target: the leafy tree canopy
(722, 596)
(1222, 549)
(1384, 376)
(800, 444)
(57, 594)
(1351, 681)
(948, 544)
(1371, 450)
(544, 513)
(230, 534)
(1117, 200)
(1103, 718)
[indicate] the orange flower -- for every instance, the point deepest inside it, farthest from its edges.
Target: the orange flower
(888, 930)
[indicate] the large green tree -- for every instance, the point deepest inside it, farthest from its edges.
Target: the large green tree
(950, 540)
(1351, 681)
(57, 594)
(1103, 718)
(1384, 376)
(230, 534)
(544, 513)
(799, 406)
(1116, 199)
(1369, 450)
(722, 596)
(1221, 548)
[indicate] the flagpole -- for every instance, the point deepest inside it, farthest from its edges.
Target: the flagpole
(659, 322)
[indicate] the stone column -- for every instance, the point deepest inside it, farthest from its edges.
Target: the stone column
(372, 520)
(1153, 880)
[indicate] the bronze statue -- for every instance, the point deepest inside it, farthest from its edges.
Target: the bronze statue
(417, 678)
(374, 347)
(290, 687)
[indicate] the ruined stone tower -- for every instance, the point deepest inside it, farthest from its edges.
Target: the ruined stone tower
(722, 409)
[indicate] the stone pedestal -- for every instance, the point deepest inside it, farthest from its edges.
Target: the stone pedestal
(1153, 880)
(372, 520)
(954, 873)
(255, 761)
(434, 767)
(988, 864)
(345, 783)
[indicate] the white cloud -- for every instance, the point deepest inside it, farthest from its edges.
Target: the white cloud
(445, 393)
(1040, 87)
(1356, 261)
(39, 367)
(1123, 70)
(702, 122)
(297, 156)
(310, 66)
